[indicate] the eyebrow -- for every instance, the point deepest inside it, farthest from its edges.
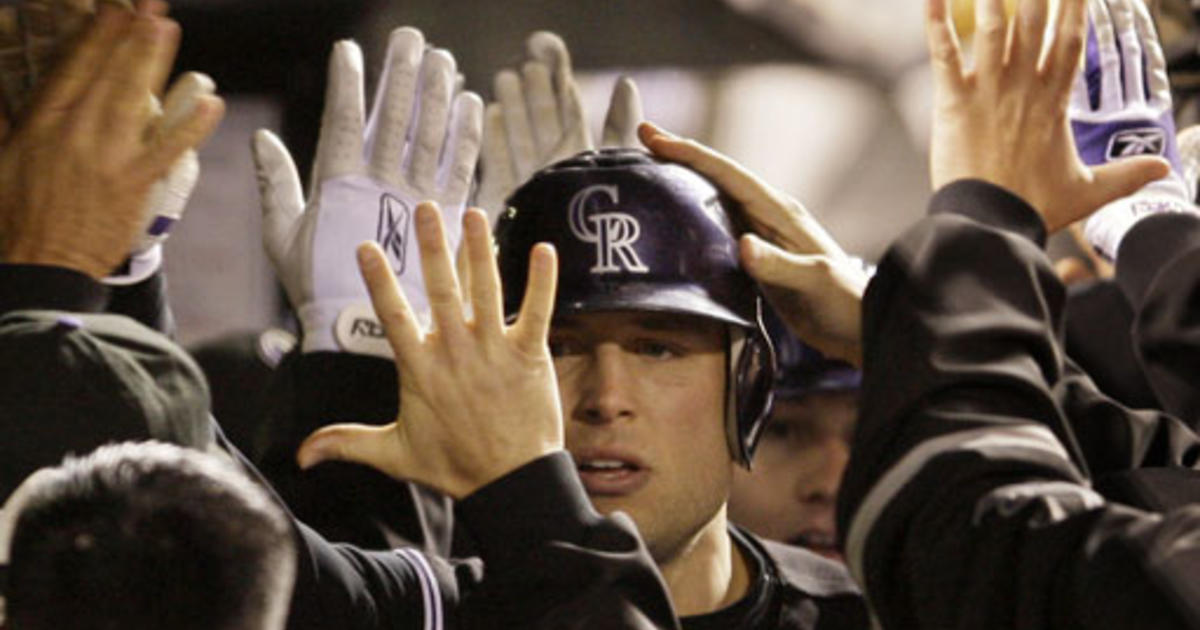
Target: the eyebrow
(667, 322)
(661, 323)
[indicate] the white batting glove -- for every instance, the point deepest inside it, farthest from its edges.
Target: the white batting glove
(420, 143)
(169, 196)
(539, 120)
(1121, 107)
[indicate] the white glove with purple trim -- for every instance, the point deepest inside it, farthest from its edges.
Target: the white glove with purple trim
(1121, 107)
(539, 120)
(420, 143)
(169, 196)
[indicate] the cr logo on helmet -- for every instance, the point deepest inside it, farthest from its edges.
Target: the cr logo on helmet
(614, 233)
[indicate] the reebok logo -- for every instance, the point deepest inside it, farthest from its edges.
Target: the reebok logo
(362, 327)
(390, 232)
(614, 233)
(1131, 142)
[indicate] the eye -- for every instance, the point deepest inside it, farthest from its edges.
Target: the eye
(777, 431)
(656, 349)
(564, 346)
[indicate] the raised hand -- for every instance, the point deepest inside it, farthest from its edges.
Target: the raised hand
(538, 120)
(367, 179)
(79, 167)
(478, 398)
(815, 287)
(33, 38)
(1005, 119)
(1121, 108)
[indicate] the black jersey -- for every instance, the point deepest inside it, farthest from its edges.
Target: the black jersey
(968, 500)
(792, 589)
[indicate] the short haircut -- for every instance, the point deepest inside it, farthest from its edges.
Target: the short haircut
(149, 536)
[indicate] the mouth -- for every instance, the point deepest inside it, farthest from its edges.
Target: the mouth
(608, 475)
(821, 542)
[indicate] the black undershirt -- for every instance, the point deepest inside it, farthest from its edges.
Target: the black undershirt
(759, 608)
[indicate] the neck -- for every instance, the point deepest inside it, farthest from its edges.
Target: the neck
(709, 573)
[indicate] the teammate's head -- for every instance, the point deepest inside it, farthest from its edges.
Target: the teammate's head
(663, 365)
(148, 535)
(791, 494)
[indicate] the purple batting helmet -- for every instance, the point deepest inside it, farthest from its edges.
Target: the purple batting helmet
(636, 233)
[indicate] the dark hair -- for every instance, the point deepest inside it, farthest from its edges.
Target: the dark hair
(149, 535)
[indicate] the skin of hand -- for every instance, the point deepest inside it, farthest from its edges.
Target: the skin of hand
(77, 169)
(478, 398)
(810, 281)
(1005, 120)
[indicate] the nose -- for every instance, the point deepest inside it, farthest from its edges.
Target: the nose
(605, 387)
(821, 476)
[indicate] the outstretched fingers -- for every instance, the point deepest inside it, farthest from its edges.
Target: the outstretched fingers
(393, 108)
(74, 75)
(120, 99)
(463, 146)
(624, 115)
(486, 301)
(399, 323)
(441, 282)
(944, 50)
(433, 111)
(340, 145)
(991, 36)
(532, 328)
(728, 175)
(1029, 33)
(189, 133)
(1064, 54)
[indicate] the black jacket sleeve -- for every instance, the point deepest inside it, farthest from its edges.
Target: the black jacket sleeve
(967, 501)
(145, 302)
(1158, 267)
(551, 561)
(44, 287)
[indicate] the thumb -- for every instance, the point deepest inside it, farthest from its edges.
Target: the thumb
(624, 114)
(375, 446)
(1115, 180)
(279, 191)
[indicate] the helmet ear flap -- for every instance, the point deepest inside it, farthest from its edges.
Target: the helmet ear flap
(752, 385)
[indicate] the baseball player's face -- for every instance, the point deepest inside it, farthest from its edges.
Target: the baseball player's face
(643, 398)
(791, 493)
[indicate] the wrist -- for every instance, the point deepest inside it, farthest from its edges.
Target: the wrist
(137, 268)
(1108, 226)
(339, 326)
(45, 255)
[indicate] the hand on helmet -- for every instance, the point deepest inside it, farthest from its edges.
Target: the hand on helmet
(814, 285)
